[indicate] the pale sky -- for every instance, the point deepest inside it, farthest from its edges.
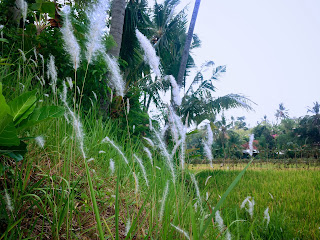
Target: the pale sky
(271, 49)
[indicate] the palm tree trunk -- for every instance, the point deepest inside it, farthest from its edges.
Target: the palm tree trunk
(186, 49)
(117, 21)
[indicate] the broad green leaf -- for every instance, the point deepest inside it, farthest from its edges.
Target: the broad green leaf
(4, 108)
(44, 7)
(41, 114)
(16, 152)
(4, 40)
(22, 106)
(8, 133)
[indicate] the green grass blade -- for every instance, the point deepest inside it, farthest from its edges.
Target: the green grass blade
(94, 202)
(223, 198)
(117, 207)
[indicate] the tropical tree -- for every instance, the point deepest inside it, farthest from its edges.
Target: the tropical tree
(186, 49)
(240, 123)
(282, 112)
(117, 21)
(315, 109)
(199, 102)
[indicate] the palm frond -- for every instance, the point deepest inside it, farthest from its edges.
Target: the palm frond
(231, 101)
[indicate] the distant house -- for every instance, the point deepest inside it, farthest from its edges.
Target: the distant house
(246, 150)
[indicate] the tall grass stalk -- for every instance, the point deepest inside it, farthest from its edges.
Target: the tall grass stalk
(142, 169)
(79, 133)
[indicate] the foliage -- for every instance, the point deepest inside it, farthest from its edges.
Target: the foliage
(199, 103)
(21, 113)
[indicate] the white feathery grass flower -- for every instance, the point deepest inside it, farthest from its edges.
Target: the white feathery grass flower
(63, 95)
(158, 168)
(208, 153)
(207, 145)
(149, 53)
(52, 73)
(250, 205)
(197, 190)
(22, 55)
(209, 135)
(23, 7)
(228, 235)
(71, 44)
(76, 122)
(128, 226)
(22, 86)
(147, 151)
(181, 231)
(34, 51)
(8, 200)
(150, 124)
(207, 180)
(175, 148)
(78, 89)
(271, 195)
(90, 160)
(178, 129)
(207, 196)
(221, 225)
(128, 106)
(95, 95)
(163, 201)
(266, 215)
(251, 138)
(66, 116)
(92, 104)
(150, 142)
(40, 141)
(101, 151)
(111, 165)
(136, 182)
(164, 129)
(42, 61)
(97, 21)
(175, 90)
(219, 221)
(107, 139)
(70, 83)
(165, 153)
(39, 81)
(116, 80)
(142, 169)
(34, 62)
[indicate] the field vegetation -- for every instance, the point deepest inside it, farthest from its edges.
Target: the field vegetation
(90, 149)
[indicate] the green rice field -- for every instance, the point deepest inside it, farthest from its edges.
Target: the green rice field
(293, 196)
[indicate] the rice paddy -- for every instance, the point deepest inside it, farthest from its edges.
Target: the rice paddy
(293, 194)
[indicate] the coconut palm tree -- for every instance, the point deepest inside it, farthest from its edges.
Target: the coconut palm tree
(186, 49)
(199, 103)
(315, 109)
(118, 8)
(282, 112)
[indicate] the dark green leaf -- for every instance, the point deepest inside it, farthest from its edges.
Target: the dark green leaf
(8, 133)
(4, 40)
(22, 106)
(41, 114)
(16, 152)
